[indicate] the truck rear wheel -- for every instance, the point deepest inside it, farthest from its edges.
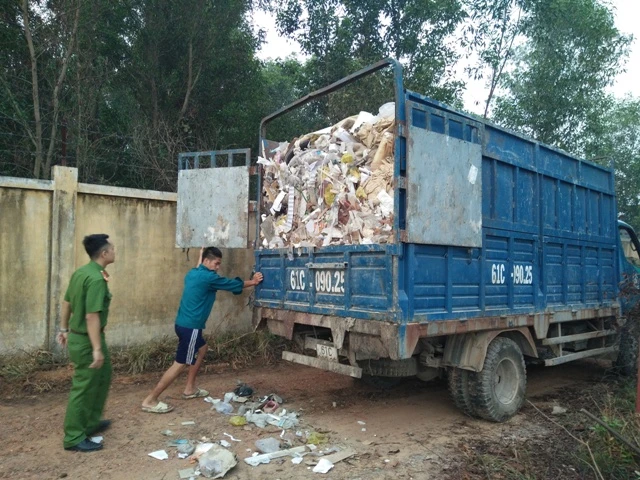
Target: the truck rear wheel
(497, 392)
(458, 382)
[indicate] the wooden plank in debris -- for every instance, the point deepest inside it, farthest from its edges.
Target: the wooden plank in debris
(339, 456)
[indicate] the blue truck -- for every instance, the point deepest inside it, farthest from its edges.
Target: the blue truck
(505, 251)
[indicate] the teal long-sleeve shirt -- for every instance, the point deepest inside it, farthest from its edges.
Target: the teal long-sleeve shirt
(200, 287)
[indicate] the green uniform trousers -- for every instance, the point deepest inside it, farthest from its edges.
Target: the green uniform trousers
(89, 390)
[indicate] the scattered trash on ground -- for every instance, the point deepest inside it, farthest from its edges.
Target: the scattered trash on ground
(159, 454)
(231, 437)
(201, 449)
(256, 460)
(223, 407)
(216, 459)
(268, 445)
(186, 448)
(558, 410)
(187, 473)
(216, 462)
(323, 466)
(238, 421)
(315, 438)
(243, 390)
(341, 455)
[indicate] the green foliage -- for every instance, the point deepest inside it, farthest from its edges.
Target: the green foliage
(572, 52)
(146, 80)
(341, 36)
(613, 135)
(617, 409)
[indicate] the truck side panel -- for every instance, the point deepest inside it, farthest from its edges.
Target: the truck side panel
(548, 221)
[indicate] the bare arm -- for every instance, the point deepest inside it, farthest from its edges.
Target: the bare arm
(61, 338)
(93, 329)
(255, 280)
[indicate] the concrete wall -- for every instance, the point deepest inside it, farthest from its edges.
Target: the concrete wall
(41, 245)
(25, 216)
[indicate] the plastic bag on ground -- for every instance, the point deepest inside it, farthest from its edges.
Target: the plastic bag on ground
(224, 407)
(216, 462)
(315, 438)
(237, 421)
(268, 445)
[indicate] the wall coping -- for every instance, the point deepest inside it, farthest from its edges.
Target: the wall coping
(90, 189)
(26, 183)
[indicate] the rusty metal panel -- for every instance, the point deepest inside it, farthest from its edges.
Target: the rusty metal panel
(213, 207)
(444, 191)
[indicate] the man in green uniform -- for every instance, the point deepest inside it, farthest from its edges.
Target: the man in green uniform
(84, 317)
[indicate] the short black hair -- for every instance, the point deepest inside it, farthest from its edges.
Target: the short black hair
(95, 244)
(211, 253)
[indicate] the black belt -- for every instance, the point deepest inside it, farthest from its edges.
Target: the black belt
(84, 333)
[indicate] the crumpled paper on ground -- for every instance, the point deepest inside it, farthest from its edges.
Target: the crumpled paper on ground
(333, 186)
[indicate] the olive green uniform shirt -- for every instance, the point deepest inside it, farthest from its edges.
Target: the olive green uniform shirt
(88, 293)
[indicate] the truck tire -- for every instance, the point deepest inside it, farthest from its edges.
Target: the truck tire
(497, 392)
(627, 362)
(458, 382)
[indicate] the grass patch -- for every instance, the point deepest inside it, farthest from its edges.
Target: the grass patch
(43, 371)
(512, 458)
(237, 350)
(616, 407)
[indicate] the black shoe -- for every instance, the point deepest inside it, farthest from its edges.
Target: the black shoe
(85, 445)
(102, 426)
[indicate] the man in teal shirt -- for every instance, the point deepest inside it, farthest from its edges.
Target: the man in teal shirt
(200, 287)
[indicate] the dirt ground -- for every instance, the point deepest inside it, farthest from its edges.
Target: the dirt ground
(412, 431)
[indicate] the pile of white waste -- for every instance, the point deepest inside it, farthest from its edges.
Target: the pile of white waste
(333, 186)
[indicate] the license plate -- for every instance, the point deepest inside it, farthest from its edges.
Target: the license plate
(325, 351)
(329, 281)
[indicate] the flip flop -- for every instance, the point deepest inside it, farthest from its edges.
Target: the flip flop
(161, 407)
(199, 393)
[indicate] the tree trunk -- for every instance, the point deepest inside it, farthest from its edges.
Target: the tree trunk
(191, 82)
(56, 90)
(35, 91)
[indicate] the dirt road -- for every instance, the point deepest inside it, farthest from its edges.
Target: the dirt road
(411, 431)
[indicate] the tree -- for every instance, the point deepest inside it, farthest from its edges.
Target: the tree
(489, 35)
(613, 135)
(573, 51)
(343, 35)
(194, 81)
(49, 34)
